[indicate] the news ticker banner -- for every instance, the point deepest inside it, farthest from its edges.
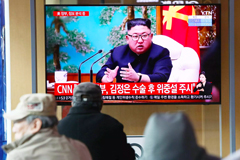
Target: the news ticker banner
(137, 91)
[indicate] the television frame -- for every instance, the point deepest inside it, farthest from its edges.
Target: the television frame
(146, 102)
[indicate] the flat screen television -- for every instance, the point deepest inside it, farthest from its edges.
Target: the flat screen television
(80, 39)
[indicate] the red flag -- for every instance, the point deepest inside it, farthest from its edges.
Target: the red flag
(175, 25)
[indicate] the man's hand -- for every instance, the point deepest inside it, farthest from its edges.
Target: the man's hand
(129, 74)
(110, 75)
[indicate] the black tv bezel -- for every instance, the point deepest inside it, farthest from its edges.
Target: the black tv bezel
(152, 4)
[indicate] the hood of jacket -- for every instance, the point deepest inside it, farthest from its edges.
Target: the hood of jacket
(170, 136)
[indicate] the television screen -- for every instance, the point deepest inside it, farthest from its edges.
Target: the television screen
(174, 59)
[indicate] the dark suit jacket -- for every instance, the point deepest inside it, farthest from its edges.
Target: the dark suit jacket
(102, 134)
(207, 89)
(156, 63)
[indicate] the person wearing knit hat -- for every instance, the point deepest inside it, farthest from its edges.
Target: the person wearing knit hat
(36, 135)
(170, 136)
(102, 134)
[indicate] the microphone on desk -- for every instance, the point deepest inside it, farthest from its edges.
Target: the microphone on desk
(79, 69)
(91, 72)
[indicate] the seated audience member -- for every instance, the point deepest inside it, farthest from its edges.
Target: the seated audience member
(102, 134)
(170, 136)
(36, 135)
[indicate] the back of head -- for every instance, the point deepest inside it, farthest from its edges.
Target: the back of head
(171, 136)
(87, 94)
(138, 22)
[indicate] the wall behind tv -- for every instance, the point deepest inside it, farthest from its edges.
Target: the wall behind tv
(237, 72)
(20, 50)
(204, 118)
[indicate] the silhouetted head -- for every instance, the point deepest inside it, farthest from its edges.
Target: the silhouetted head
(170, 136)
(87, 94)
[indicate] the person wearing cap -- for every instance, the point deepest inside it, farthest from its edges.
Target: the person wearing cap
(170, 136)
(36, 135)
(102, 134)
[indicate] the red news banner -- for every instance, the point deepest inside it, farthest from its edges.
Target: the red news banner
(70, 13)
(136, 91)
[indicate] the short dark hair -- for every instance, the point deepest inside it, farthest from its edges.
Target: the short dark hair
(203, 72)
(138, 22)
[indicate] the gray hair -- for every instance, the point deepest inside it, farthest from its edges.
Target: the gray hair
(47, 121)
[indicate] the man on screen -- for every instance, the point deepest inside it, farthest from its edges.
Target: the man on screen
(138, 61)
